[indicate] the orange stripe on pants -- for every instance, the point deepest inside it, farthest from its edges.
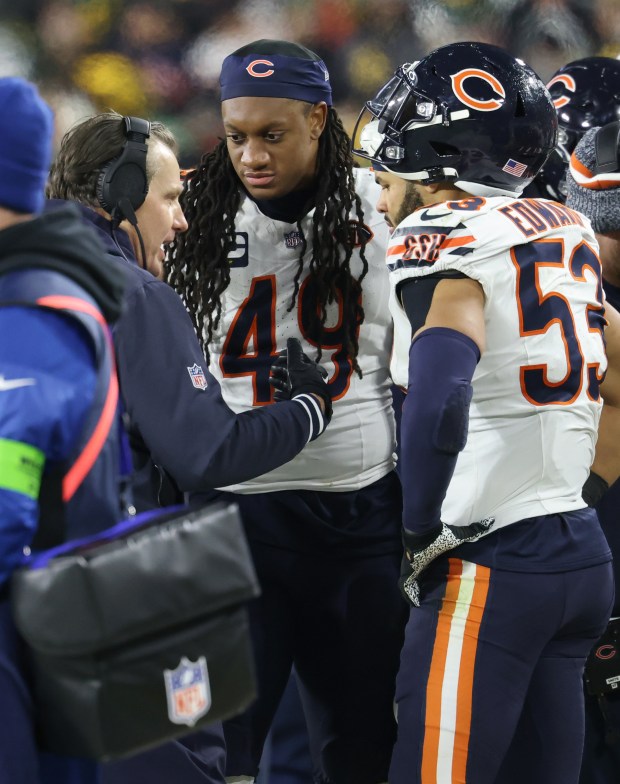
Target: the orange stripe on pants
(448, 715)
(466, 672)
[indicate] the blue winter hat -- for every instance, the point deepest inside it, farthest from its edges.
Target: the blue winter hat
(275, 69)
(26, 128)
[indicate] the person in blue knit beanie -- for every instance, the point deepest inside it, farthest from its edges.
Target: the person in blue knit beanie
(26, 128)
(55, 363)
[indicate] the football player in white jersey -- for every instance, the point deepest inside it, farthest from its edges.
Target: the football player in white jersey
(593, 189)
(586, 94)
(499, 322)
(284, 240)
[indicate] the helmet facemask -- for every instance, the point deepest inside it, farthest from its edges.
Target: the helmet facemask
(400, 106)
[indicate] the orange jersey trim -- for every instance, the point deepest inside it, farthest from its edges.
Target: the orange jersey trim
(453, 242)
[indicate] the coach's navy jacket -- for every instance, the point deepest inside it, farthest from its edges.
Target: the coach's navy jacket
(178, 429)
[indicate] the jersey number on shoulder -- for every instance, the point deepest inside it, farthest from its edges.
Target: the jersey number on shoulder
(250, 346)
(538, 312)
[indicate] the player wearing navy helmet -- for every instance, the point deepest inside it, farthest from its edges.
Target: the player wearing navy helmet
(498, 316)
(468, 113)
(593, 188)
(586, 94)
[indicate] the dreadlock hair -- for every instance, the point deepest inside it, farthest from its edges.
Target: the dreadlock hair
(197, 265)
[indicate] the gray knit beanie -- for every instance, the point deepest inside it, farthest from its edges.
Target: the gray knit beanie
(597, 196)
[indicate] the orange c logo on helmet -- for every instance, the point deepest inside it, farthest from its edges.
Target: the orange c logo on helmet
(569, 83)
(251, 69)
(458, 86)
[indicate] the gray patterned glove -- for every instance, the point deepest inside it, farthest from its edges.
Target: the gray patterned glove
(421, 549)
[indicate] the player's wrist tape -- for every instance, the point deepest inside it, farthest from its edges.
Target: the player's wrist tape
(317, 419)
(594, 489)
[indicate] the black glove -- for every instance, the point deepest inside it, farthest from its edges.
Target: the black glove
(421, 549)
(594, 489)
(293, 373)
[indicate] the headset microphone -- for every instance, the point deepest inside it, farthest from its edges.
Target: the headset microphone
(127, 211)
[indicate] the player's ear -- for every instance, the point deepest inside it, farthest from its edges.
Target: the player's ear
(317, 117)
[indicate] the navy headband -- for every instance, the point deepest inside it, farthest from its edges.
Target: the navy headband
(275, 76)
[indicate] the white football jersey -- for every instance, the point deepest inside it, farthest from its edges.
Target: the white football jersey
(358, 446)
(535, 408)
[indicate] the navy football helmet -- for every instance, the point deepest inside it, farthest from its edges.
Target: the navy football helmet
(586, 94)
(469, 113)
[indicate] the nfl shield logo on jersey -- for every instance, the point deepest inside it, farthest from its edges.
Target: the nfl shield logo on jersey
(293, 239)
(188, 691)
(196, 373)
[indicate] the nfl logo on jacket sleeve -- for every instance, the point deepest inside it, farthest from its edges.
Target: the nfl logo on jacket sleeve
(188, 691)
(197, 375)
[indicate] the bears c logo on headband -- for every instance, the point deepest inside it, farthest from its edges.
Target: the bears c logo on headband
(251, 69)
(570, 85)
(458, 87)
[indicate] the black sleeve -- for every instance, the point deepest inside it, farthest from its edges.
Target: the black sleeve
(190, 432)
(416, 295)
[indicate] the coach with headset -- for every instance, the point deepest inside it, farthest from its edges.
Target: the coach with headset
(124, 175)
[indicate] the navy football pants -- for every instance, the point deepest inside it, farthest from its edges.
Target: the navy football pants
(198, 758)
(490, 685)
(286, 756)
(340, 621)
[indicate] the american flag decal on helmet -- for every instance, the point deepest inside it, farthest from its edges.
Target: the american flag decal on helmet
(514, 167)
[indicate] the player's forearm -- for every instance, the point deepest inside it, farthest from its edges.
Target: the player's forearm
(434, 422)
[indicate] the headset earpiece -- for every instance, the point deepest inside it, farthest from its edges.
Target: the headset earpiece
(123, 179)
(606, 141)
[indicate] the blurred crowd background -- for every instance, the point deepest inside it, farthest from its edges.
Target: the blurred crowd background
(161, 58)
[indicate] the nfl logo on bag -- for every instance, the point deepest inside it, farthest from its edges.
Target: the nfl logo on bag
(188, 691)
